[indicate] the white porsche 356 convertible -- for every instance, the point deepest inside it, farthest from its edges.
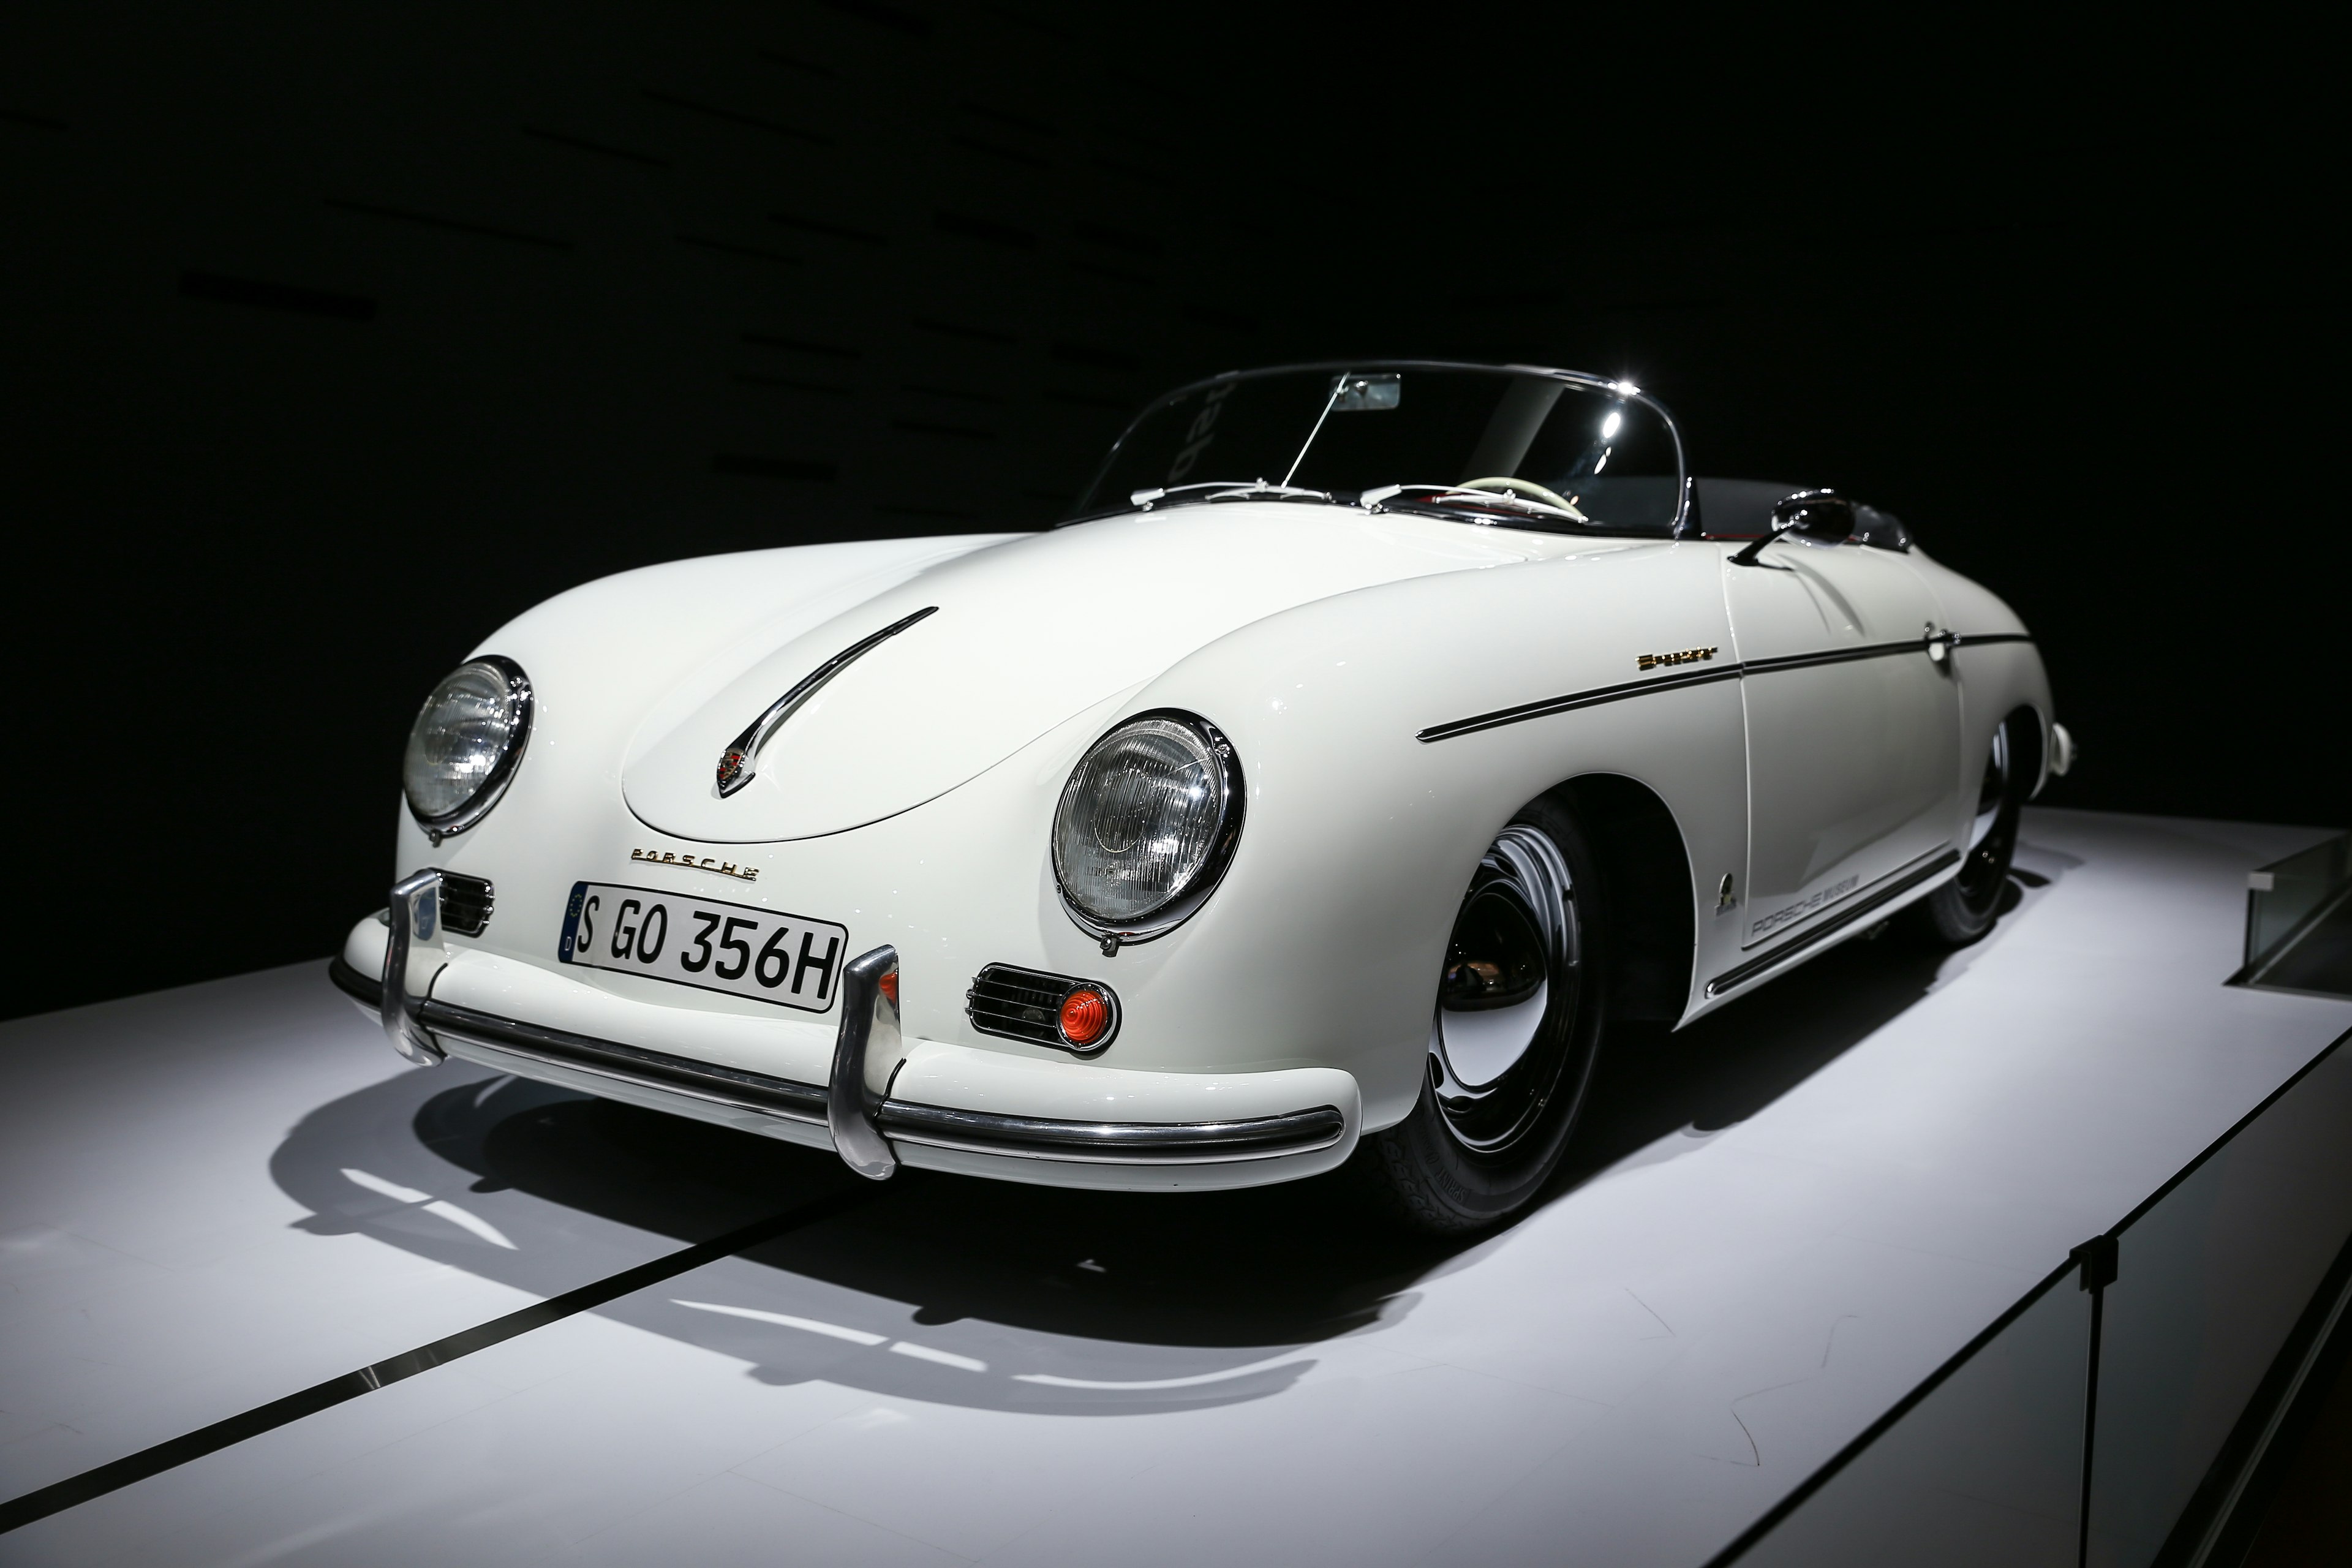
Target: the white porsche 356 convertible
(1373, 739)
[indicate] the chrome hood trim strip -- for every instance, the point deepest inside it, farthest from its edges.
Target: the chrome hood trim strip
(736, 764)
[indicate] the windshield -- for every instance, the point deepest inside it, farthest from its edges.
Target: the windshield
(1514, 448)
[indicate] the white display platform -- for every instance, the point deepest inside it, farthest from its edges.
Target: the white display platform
(1797, 1210)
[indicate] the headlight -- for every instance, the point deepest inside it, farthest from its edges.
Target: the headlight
(468, 739)
(1147, 824)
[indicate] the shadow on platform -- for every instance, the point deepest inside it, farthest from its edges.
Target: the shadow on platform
(959, 1290)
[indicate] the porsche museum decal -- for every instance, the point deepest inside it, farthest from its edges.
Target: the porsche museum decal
(1688, 656)
(688, 862)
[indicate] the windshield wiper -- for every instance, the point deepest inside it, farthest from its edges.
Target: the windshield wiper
(1226, 490)
(1451, 500)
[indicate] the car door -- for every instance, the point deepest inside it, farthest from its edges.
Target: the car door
(1852, 730)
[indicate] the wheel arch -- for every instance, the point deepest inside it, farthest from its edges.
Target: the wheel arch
(1651, 892)
(2033, 733)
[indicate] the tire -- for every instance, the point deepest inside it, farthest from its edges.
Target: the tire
(1964, 908)
(1520, 1014)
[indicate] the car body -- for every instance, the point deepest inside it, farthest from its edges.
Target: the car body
(1775, 735)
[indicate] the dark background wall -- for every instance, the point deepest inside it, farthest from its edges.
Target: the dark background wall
(334, 338)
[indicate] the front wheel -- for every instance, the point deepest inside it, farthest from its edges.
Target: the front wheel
(1520, 1013)
(1965, 907)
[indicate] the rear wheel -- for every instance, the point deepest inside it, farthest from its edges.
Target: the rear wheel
(1520, 1014)
(1965, 907)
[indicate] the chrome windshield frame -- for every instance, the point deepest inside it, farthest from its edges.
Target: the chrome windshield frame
(1615, 386)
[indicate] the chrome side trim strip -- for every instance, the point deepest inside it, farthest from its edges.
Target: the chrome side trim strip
(1894, 886)
(1592, 698)
(1832, 656)
(735, 763)
(1595, 696)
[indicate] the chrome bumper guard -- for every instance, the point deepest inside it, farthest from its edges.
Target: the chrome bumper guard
(864, 1126)
(414, 918)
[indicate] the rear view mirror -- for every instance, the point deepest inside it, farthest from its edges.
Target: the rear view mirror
(1366, 394)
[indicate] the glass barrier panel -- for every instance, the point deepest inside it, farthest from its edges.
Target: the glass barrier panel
(2286, 892)
(1987, 1468)
(2210, 1281)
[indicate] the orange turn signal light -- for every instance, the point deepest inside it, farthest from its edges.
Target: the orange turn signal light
(1085, 1013)
(890, 987)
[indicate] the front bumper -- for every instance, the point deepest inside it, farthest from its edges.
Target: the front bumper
(874, 1132)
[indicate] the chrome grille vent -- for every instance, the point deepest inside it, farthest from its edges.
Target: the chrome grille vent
(466, 903)
(1026, 1005)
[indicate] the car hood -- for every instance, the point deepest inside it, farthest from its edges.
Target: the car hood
(1025, 635)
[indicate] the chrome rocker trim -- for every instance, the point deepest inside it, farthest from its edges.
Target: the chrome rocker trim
(1893, 885)
(894, 1120)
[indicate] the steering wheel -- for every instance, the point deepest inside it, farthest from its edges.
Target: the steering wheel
(1527, 488)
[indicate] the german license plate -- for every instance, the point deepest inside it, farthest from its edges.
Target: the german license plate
(790, 960)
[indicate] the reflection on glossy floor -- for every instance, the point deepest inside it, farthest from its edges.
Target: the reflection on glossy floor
(212, 1197)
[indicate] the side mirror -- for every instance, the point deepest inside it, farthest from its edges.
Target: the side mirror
(1823, 517)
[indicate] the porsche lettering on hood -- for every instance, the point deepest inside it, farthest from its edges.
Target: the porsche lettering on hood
(1026, 634)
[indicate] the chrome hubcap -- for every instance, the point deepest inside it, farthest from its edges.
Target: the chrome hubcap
(1510, 963)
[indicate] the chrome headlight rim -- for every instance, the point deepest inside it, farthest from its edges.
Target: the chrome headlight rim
(1186, 902)
(475, 806)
